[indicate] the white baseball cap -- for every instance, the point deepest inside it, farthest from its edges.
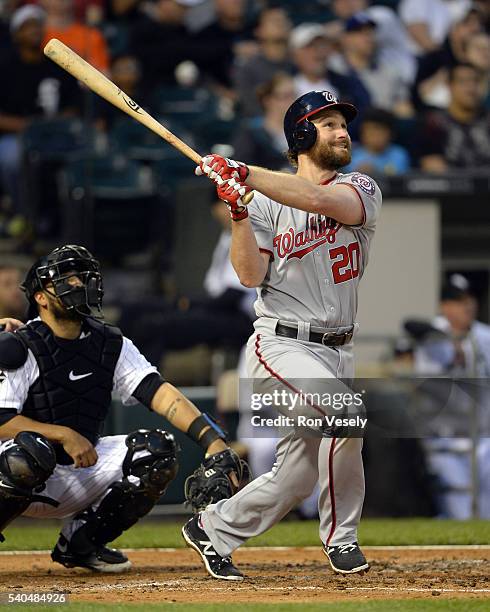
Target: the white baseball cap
(24, 13)
(304, 34)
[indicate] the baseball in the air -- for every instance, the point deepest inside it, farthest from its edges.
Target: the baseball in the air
(186, 73)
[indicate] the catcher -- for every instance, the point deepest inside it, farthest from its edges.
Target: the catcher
(57, 374)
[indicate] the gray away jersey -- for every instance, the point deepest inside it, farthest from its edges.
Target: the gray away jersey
(316, 263)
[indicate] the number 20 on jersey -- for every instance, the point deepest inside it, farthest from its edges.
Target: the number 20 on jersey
(345, 264)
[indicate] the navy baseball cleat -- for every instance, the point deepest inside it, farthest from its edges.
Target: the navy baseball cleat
(218, 567)
(101, 559)
(346, 559)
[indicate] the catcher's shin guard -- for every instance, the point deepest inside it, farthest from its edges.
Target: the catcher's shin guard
(25, 465)
(127, 502)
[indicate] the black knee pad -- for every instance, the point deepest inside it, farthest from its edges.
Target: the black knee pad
(27, 463)
(127, 502)
(158, 467)
(25, 466)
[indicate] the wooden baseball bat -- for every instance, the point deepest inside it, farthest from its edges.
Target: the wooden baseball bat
(70, 61)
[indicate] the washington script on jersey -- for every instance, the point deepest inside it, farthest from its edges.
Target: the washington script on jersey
(304, 421)
(318, 227)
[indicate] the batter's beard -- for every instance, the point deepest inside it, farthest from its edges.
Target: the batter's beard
(328, 157)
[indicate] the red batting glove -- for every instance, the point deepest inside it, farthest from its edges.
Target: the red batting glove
(231, 192)
(220, 169)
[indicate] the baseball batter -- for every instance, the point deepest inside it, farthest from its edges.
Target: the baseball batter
(304, 243)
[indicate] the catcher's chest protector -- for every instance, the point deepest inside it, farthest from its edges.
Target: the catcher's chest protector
(75, 381)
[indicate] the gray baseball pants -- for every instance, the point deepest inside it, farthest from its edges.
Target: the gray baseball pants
(302, 460)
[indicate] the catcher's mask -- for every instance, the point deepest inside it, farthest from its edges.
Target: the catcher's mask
(57, 268)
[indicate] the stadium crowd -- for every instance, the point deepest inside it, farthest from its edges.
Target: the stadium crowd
(221, 72)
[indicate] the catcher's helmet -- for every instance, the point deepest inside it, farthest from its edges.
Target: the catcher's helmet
(56, 268)
(300, 132)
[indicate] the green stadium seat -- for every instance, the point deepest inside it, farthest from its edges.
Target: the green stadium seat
(310, 12)
(214, 131)
(184, 105)
(112, 199)
(109, 175)
(173, 169)
(57, 139)
(46, 146)
(137, 142)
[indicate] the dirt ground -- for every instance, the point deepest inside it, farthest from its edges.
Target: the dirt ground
(273, 575)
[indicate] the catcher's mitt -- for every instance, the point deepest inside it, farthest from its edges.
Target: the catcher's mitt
(212, 481)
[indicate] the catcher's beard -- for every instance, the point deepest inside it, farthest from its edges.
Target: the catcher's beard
(60, 313)
(326, 156)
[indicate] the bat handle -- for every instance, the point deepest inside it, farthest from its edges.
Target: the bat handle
(247, 198)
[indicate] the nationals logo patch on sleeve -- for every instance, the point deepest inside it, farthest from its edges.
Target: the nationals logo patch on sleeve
(365, 183)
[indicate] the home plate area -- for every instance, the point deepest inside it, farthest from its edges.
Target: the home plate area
(272, 575)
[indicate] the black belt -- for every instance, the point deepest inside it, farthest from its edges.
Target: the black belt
(327, 339)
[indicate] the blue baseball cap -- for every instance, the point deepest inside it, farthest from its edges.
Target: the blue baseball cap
(358, 22)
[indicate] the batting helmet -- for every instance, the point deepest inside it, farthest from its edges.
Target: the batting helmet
(56, 268)
(300, 132)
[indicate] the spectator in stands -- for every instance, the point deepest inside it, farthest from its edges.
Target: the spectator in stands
(126, 74)
(428, 21)
(37, 88)
(12, 300)
(230, 36)
(222, 317)
(392, 40)
(126, 10)
(121, 14)
(484, 7)
(7, 8)
(382, 84)
(160, 41)
(478, 55)
(88, 42)
(457, 346)
(90, 12)
(260, 140)
(459, 137)
(272, 34)
(375, 153)
(431, 86)
(343, 9)
(311, 48)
